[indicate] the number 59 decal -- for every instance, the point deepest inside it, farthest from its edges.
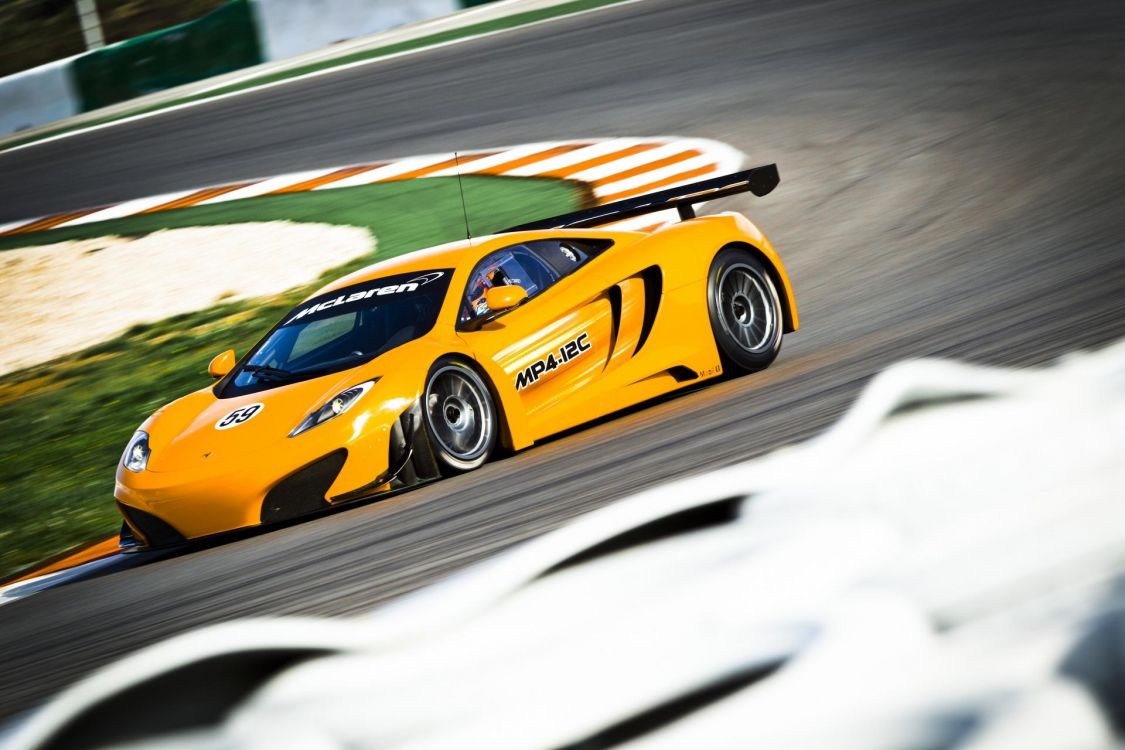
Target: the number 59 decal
(238, 416)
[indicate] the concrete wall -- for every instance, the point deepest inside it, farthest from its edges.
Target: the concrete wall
(38, 96)
(292, 27)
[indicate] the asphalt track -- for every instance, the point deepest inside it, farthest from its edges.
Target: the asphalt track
(953, 184)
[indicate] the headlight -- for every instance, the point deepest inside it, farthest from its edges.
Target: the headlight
(136, 454)
(336, 406)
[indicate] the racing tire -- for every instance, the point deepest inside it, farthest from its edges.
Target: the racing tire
(745, 311)
(460, 417)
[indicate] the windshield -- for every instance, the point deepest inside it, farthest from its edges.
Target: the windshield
(342, 329)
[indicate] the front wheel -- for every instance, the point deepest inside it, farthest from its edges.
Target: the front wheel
(745, 311)
(461, 419)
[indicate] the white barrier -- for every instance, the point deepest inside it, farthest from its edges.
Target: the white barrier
(292, 27)
(37, 96)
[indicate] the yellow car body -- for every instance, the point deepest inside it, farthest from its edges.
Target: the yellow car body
(630, 324)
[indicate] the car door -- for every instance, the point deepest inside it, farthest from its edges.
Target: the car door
(553, 348)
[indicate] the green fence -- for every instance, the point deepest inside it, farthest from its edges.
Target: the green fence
(225, 39)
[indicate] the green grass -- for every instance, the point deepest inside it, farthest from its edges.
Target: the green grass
(498, 24)
(64, 424)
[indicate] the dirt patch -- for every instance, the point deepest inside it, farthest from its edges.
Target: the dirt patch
(61, 298)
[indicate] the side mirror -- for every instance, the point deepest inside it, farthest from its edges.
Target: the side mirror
(222, 364)
(504, 297)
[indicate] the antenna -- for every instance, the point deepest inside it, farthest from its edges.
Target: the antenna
(464, 208)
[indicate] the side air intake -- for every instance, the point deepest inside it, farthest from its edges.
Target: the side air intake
(303, 491)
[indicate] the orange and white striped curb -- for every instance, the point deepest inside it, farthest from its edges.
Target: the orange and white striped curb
(612, 168)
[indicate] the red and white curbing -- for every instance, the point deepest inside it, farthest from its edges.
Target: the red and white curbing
(613, 168)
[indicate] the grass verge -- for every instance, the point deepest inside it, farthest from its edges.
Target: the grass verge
(64, 424)
(485, 27)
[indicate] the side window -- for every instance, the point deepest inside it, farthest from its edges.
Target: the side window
(533, 265)
(565, 256)
(516, 265)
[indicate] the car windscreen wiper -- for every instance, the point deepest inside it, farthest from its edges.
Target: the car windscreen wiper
(278, 375)
(266, 372)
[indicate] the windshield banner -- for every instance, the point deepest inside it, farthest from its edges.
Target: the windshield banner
(368, 294)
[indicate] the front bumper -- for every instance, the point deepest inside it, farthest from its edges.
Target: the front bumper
(168, 508)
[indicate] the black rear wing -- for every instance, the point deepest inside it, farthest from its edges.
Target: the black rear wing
(758, 180)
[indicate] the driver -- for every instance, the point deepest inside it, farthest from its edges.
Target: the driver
(485, 281)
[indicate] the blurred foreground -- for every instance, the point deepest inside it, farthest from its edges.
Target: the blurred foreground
(943, 568)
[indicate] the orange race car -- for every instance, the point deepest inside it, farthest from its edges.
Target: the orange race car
(426, 364)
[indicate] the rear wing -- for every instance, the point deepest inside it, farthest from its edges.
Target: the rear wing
(758, 180)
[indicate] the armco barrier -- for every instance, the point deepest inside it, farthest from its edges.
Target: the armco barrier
(36, 96)
(225, 39)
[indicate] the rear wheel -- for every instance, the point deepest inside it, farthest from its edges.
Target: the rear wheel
(461, 419)
(745, 311)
